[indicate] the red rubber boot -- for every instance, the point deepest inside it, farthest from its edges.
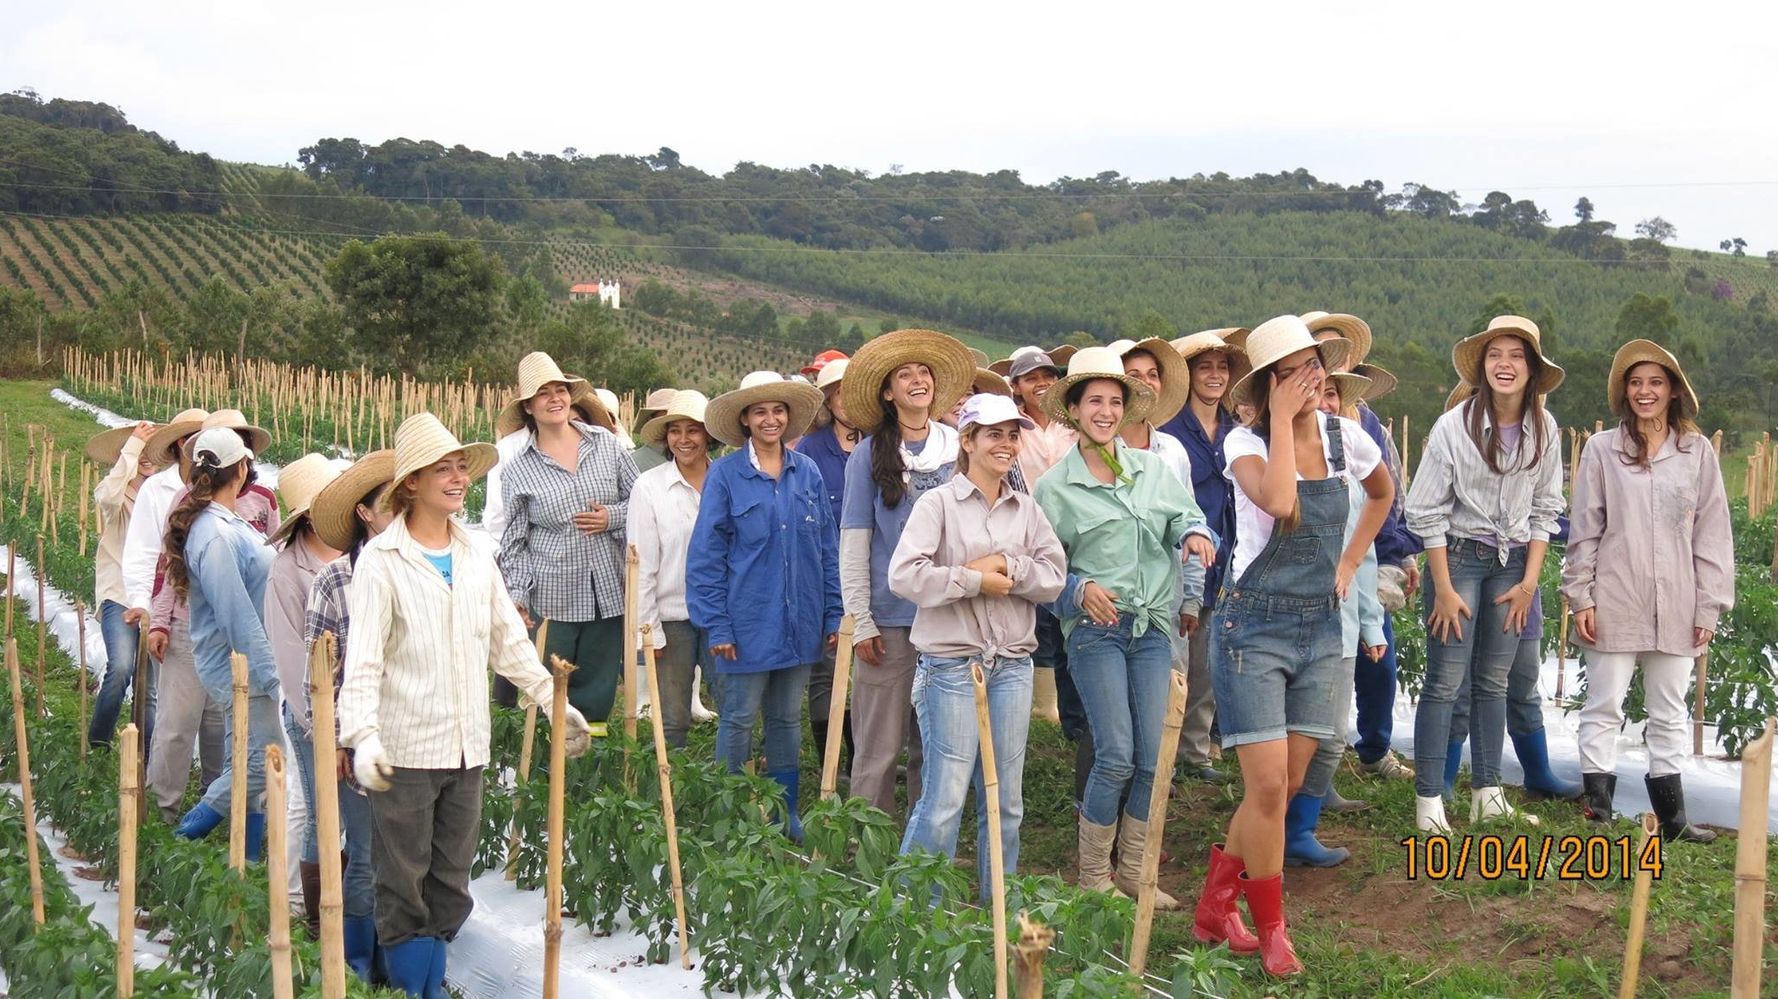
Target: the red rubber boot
(1218, 920)
(1265, 899)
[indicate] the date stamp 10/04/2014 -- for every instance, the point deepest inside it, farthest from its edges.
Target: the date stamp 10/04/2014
(1525, 858)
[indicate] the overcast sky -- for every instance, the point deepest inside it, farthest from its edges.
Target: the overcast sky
(1662, 113)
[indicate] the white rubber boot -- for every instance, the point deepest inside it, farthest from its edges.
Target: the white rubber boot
(1490, 803)
(1429, 815)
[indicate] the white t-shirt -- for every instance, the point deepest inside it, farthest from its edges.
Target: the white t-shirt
(1253, 526)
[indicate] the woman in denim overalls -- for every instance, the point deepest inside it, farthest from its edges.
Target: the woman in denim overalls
(1275, 640)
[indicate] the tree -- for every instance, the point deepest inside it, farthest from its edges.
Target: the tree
(1151, 324)
(1658, 229)
(1647, 318)
(1737, 245)
(1084, 224)
(1583, 209)
(1772, 257)
(418, 301)
(591, 343)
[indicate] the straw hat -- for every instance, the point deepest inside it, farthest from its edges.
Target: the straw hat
(686, 404)
(1459, 392)
(159, 448)
(658, 400)
(1382, 381)
(1189, 347)
(980, 355)
(1090, 364)
(1062, 354)
(1176, 378)
(1225, 334)
(422, 440)
(1276, 339)
(1638, 352)
(258, 439)
(536, 370)
(952, 365)
(722, 416)
(298, 482)
(1351, 387)
(986, 381)
(333, 510)
(1350, 327)
(1467, 355)
(106, 446)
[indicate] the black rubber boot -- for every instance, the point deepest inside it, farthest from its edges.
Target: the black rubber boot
(1596, 794)
(1667, 796)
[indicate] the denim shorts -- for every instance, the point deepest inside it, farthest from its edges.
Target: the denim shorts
(1274, 663)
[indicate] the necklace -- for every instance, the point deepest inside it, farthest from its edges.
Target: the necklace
(915, 429)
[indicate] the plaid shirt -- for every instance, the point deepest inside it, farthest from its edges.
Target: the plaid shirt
(553, 569)
(327, 612)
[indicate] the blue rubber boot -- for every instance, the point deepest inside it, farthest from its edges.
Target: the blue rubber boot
(361, 945)
(409, 964)
(1301, 848)
(1533, 749)
(255, 836)
(435, 975)
(198, 822)
(1453, 760)
(789, 780)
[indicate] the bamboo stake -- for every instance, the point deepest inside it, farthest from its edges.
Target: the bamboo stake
(80, 624)
(633, 562)
(24, 760)
(990, 797)
(277, 875)
(1639, 911)
(86, 488)
(129, 795)
(668, 813)
(42, 616)
(139, 712)
(1750, 866)
(1157, 821)
(12, 584)
(523, 776)
(1562, 651)
(1703, 670)
(323, 655)
(1033, 946)
(836, 709)
(237, 804)
(552, 891)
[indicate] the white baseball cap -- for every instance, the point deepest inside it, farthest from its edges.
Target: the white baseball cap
(989, 408)
(222, 446)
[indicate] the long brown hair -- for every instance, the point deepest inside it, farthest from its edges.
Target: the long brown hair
(1679, 424)
(1481, 405)
(206, 480)
(885, 453)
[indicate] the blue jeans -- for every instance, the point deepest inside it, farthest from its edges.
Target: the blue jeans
(944, 700)
(1052, 651)
(1123, 681)
(1375, 684)
(1524, 702)
(775, 693)
(263, 729)
(120, 669)
(302, 750)
(1483, 658)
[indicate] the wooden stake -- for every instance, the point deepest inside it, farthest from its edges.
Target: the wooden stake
(523, 776)
(30, 808)
(237, 804)
(80, 624)
(129, 804)
(139, 713)
(86, 488)
(323, 655)
(1639, 911)
(629, 651)
(1157, 821)
(991, 798)
(552, 890)
(1028, 954)
(12, 580)
(667, 810)
(836, 709)
(1750, 866)
(1562, 651)
(1703, 670)
(42, 625)
(277, 874)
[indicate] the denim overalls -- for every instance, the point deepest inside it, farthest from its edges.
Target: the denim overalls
(1275, 643)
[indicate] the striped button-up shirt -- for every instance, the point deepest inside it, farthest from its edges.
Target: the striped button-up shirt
(1455, 494)
(552, 568)
(416, 669)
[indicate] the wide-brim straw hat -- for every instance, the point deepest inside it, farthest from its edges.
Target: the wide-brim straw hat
(1276, 339)
(1467, 355)
(421, 441)
(1349, 327)
(1383, 381)
(989, 382)
(1176, 378)
(722, 417)
(1352, 387)
(333, 511)
(951, 364)
(159, 447)
(536, 370)
(106, 446)
(658, 400)
(1459, 392)
(1091, 364)
(1208, 341)
(1644, 351)
(980, 355)
(1062, 354)
(686, 404)
(298, 484)
(1225, 334)
(258, 438)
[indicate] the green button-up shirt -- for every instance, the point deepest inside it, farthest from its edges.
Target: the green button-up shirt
(1123, 536)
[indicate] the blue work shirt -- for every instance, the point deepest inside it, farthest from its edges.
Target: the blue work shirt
(1395, 543)
(228, 563)
(823, 446)
(763, 572)
(1213, 491)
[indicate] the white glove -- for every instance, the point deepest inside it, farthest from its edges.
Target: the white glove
(371, 764)
(1391, 588)
(577, 736)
